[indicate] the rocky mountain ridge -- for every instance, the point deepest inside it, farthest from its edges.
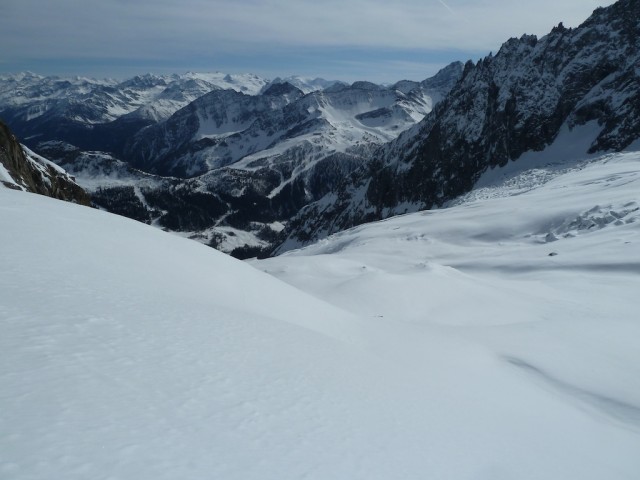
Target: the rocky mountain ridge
(223, 127)
(22, 169)
(520, 100)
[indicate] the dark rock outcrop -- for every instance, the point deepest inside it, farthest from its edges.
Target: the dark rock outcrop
(35, 174)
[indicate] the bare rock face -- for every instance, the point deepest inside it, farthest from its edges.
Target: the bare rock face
(32, 173)
(518, 101)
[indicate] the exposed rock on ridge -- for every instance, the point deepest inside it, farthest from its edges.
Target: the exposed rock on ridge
(24, 170)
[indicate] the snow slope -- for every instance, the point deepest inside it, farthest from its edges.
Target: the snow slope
(540, 272)
(455, 348)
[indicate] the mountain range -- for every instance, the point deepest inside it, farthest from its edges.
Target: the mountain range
(253, 167)
(229, 168)
(577, 87)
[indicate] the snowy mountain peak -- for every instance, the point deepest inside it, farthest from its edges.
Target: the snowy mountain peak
(283, 88)
(79, 101)
(321, 123)
(271, 153)
(364, 85)
(21, 76)
(147, 80)
(445, 78)
(306, 85)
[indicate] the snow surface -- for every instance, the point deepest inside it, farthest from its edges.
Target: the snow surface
(446, 344)
(541, 275)
(6, 177)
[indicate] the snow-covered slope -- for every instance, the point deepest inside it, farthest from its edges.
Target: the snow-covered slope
(540, 270)
(455, 348)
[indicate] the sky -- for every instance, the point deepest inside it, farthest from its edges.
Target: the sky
(376, 40)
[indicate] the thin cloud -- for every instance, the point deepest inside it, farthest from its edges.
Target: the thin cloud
(195, 31)
(446, 6)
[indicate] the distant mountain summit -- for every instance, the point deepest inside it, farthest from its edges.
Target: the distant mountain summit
(307, 85)
(281, 89)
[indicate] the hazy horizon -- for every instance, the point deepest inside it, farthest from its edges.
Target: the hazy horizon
(347, 41)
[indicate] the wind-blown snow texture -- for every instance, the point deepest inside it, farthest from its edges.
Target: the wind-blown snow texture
(492, 339)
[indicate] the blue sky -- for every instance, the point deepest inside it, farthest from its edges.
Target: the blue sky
(348, 40)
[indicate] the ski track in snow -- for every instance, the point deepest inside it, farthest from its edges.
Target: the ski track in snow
(628, 415)
(493, 339)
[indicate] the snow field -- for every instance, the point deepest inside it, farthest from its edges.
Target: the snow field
(543, 278)
(444, 344)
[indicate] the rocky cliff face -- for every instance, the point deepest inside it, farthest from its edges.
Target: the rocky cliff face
(21, 169)
(517, 101)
